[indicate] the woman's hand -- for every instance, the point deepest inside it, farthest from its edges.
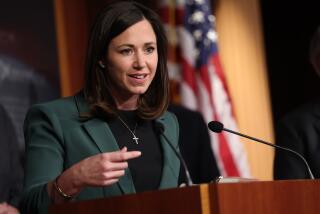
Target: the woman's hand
(7, 209)
(104, 169)
(98, 170)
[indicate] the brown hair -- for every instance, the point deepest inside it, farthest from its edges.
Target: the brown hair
(111, 22)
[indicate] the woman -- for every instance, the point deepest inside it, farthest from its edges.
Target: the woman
(102, 142)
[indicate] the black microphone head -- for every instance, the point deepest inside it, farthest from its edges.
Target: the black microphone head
(215, 126)
(159, 127)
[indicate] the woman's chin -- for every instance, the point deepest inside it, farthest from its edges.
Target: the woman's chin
(139, 91)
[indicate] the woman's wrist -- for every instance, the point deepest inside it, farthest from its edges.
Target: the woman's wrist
(60, 191)
(65, 186)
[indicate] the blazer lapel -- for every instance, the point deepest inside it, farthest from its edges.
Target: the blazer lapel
(102, 136)
(170, 171)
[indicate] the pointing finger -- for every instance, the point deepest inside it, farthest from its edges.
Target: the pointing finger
(123, 156)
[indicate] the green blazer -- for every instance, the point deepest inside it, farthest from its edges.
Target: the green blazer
(56, 138)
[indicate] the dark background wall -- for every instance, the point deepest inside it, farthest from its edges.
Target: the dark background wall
(288, 27)
(27, 33)
(28, 58)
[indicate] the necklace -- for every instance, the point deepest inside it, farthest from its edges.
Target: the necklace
(132, 132)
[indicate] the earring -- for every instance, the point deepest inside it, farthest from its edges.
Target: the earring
(103, 66)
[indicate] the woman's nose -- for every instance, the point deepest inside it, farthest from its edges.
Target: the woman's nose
(139, 61)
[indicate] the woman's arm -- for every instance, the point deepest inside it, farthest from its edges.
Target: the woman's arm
(46, 153)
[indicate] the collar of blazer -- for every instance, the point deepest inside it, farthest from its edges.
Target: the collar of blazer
(99, 131)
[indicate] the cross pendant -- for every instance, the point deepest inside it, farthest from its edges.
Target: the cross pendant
(135, 139)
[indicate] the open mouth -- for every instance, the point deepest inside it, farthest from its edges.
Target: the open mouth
(138, 76)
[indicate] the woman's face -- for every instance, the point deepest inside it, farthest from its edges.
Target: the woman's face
(132, 60)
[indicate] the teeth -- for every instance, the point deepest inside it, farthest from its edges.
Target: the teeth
(139, 76)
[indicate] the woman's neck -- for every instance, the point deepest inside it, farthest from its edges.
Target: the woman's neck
(127, 104)
(124, 100)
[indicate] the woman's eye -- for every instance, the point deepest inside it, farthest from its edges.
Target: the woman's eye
(126, 52)
(149, 50)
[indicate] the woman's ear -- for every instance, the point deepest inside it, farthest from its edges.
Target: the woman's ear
(101, 64)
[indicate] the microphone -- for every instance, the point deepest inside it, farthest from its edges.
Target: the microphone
(160, 130)
(217, 127)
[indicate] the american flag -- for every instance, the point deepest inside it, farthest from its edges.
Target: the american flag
(198, 78)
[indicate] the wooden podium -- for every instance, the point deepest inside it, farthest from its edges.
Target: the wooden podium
(296, 196)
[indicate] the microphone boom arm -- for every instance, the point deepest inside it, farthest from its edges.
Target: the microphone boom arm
(189, 180)
(273, 145)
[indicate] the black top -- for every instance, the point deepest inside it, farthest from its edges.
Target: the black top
(145, 170)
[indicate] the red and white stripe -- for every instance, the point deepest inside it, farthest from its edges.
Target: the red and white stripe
(204, 90)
